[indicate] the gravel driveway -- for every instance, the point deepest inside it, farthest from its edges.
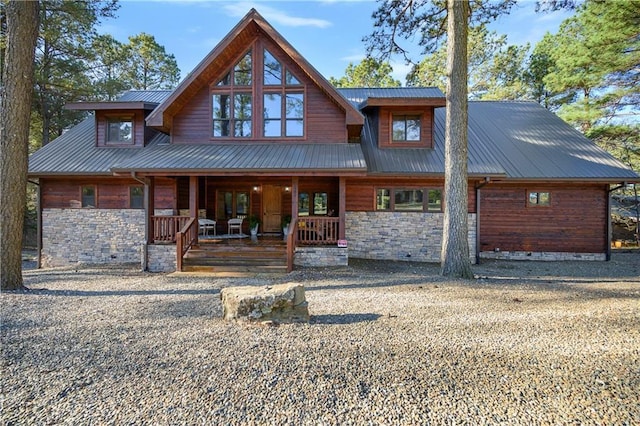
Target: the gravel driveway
(388, 343)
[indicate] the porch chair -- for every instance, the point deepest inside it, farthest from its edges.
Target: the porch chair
(234, 224)
(205, 225)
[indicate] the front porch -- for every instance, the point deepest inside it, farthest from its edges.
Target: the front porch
(290, 212)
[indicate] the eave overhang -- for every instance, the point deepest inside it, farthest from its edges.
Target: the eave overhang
(106, 106)
(409, 102)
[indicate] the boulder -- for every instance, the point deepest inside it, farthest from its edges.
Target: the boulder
(281, 303)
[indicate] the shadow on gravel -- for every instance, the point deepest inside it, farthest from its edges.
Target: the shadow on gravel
(108, 293)
(343, 319)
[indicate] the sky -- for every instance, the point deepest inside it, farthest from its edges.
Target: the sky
(328, 33)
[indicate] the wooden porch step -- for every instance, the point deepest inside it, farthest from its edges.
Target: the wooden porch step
(268, 256)
(237, 271)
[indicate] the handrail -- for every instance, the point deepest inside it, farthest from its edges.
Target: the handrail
(291, 244)
(318, 230)
(185, 238)
(165, 228)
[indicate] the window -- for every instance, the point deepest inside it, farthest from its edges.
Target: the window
(119, 130)
(539, 198)
(232, 102)
(303, 204)
(409, 200)
(317, 206)
(242, 203)
(283, 104)
(383, 199)
(320, 201)
(405, 128)
(88, 196)
(136, 197)
(434, 201)
(232, 204)
(234, 99)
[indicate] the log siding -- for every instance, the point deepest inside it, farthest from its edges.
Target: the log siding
(575, 221)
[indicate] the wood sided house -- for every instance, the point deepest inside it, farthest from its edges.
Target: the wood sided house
(255, 130)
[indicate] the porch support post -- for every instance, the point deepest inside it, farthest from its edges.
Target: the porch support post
(193, 196)
(342, 208)
(149, 208)
(294, 200)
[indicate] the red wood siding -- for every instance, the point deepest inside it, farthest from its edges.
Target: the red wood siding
(111, 193)
(325, 122)
(576, 220)
(426, 131)
(361, 192)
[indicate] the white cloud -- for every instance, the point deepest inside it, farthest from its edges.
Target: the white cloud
(400, 70)
(358, 57)
(275, 16)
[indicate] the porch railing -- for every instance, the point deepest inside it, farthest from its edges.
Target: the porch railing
(165, 228)
(185, 238)
(318, 230)
(291, 246)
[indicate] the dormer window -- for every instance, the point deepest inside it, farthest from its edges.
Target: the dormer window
(259, 82)
(405, 128)
(119, 131)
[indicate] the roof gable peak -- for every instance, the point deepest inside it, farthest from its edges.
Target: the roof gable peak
(222, 56)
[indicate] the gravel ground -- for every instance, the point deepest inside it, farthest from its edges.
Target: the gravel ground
(388, 343)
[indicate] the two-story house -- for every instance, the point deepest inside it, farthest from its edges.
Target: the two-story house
(254, 132)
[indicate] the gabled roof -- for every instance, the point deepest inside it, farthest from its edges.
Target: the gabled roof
(218, 60)
(512, 140)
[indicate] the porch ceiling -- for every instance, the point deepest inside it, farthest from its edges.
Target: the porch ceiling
(265, 158)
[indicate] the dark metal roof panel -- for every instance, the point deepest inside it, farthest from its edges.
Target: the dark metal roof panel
(425, 161)
(360, 94)
(246, 157)
(530, 142)
(155, 96)
(75, 152)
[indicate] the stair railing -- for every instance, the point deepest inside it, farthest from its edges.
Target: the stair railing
(291, 244)
(187, 236)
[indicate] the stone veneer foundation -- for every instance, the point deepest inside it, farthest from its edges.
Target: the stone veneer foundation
(92, 236)
(400, 236)
(321, 256)
(161, 257)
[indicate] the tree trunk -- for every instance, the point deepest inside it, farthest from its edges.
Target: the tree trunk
(15, 112)
(454, 257)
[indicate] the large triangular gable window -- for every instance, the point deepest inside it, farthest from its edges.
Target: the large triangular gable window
(258, 98)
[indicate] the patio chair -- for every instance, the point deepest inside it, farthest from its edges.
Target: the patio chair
(205, 225)
(234, 224)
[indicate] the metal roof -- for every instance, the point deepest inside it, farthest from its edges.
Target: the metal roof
(358, 96)
(422, 161)
(157, 96)
(75, 152)
(518, 140)
(531, 142)
(247, 157)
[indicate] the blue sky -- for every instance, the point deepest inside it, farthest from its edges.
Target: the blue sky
(328, 33)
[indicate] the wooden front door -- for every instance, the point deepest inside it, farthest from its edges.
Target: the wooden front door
(271, 208)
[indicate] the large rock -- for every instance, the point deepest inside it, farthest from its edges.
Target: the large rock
(282, 303)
